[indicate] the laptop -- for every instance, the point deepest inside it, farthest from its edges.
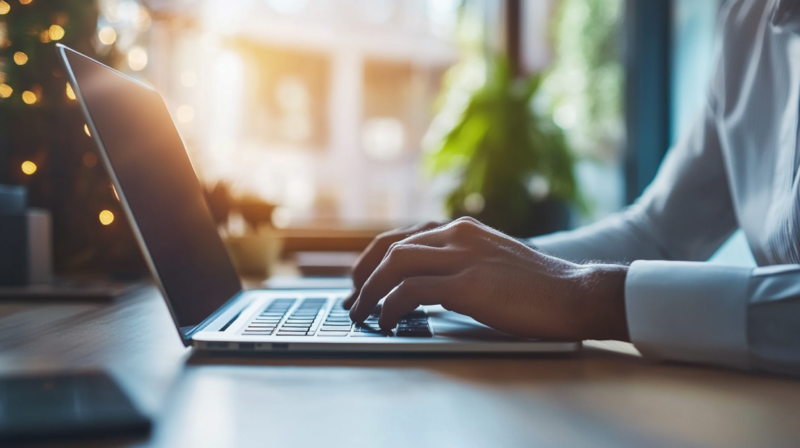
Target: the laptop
(163, 199)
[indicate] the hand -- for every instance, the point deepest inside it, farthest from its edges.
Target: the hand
(374, 253)
(475, 270)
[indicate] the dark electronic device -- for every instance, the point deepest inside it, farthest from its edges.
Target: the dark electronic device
(66, 407)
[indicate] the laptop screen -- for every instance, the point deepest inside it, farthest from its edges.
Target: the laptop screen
(157, 182)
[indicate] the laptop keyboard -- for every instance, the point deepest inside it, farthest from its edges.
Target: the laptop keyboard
(309, 318)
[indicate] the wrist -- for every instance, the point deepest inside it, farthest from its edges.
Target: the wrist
(603, 310)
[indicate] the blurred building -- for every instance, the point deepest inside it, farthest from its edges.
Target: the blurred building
(317, 105)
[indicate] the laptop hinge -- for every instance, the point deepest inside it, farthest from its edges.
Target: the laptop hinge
(188, 332)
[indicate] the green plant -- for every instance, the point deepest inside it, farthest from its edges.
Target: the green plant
(585, 82)
(512, 162)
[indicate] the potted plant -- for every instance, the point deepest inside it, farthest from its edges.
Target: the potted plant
(513, 164)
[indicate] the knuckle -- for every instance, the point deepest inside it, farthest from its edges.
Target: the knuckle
(385, 237)
(465, 224)
(396, 250)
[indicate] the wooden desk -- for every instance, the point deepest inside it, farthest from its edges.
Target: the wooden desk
(603, 396)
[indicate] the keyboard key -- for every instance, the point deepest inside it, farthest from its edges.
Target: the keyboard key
(414, 333)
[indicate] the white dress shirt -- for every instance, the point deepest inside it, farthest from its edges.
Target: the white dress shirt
(736, 168)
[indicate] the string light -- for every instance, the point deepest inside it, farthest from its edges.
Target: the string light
(106, 217)
(86, 130)
(29, 97)
(25, 2)
(20, 58)
(107, 35)
(5, 90)
(44, 36)
(56, 32)
(4, 7)
(70, 92)
(28, 167)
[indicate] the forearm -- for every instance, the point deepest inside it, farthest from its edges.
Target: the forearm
(620, 239)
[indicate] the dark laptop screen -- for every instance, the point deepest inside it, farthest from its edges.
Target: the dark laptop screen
(161, 190)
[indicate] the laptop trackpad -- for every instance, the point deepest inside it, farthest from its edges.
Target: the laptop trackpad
(448, 324)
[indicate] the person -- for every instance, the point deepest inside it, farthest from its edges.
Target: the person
(639, 276)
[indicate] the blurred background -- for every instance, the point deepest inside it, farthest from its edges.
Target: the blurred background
(315, 124)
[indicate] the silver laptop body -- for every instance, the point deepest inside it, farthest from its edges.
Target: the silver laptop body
(164, 202)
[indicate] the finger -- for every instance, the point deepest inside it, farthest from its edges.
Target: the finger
(412, 293)
(401, 262)
(374, 253)
(462, 230)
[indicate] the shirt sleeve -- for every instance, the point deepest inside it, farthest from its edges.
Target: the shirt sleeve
(685, 214)
(745, 318)
(677, 308)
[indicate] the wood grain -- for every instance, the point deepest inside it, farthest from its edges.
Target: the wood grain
(605, 395)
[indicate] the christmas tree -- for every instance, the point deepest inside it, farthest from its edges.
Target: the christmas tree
(44, 144)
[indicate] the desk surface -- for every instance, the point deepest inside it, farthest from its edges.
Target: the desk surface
(604, 396)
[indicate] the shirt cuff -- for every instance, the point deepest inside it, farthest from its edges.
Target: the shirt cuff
(685, 311)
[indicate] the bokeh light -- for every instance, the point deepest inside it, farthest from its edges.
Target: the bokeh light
(137, 58)
(56, 32)
(185, 114)
(5, 90)
(20, 58)
(28, 167)
(107, 35)
(70, 92)
(89, 159)
(44, 36)
(25, 2)
(4, 7)
(29, 97)
(106, 217)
